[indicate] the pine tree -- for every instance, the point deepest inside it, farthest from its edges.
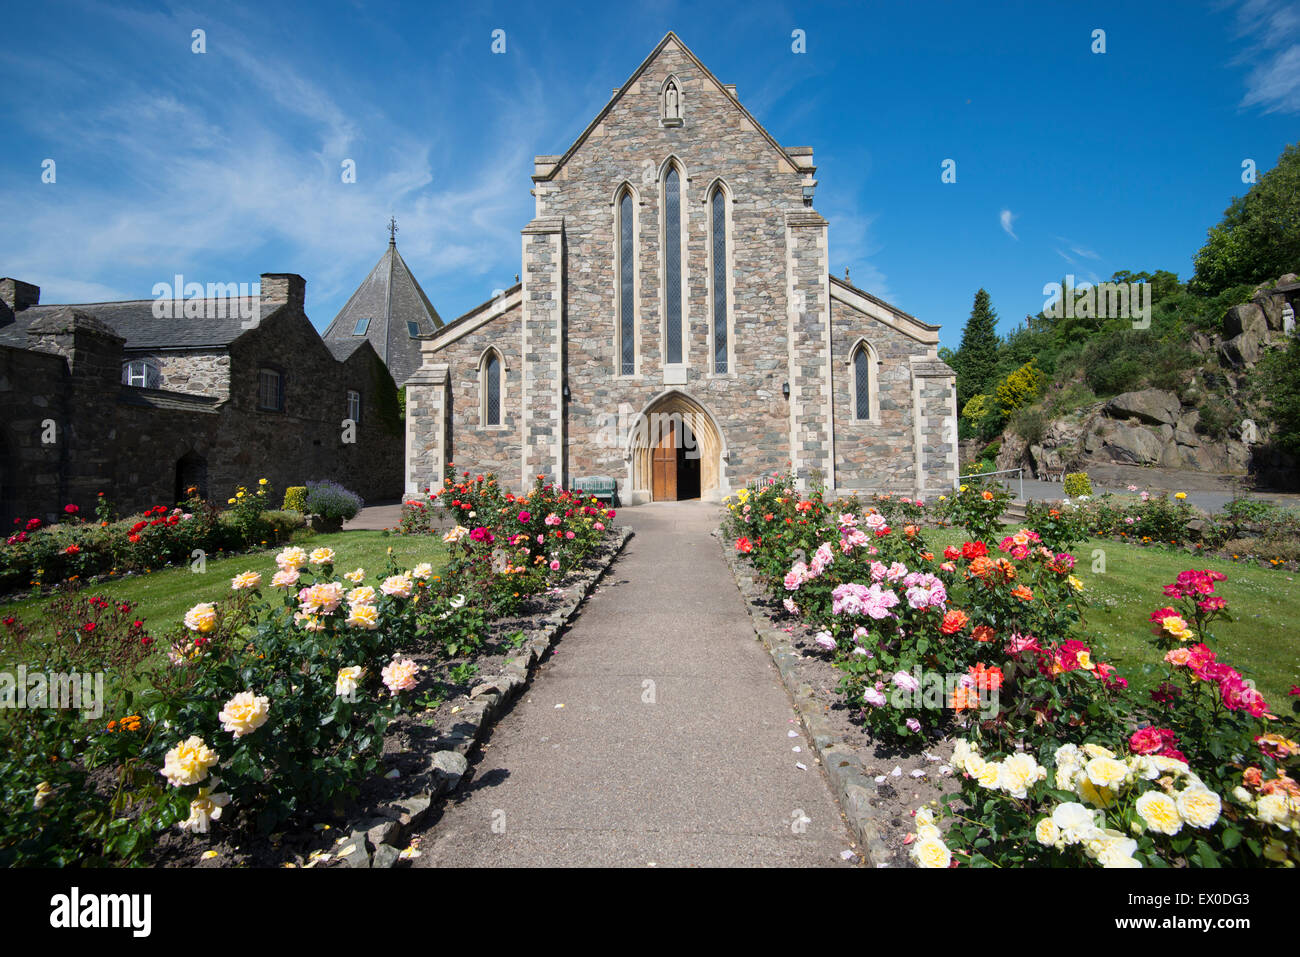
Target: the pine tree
(976, 360)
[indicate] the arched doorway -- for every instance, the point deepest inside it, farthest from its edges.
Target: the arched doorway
(191, 472)
(676, 452)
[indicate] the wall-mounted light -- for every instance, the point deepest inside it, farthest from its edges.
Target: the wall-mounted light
(785, 389)
(566, 392)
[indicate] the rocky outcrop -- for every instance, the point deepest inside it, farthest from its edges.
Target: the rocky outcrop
(1157, 428)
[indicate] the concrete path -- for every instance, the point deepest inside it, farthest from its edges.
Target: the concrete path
(672, 747)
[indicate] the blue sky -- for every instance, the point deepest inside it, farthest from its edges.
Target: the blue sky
(225, 165)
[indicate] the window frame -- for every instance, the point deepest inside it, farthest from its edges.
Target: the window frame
(484, 384)
(632, 264)
(719, 188)
(147, 366)
(351, 394)
(673, 166)
(280, 389)
(863, 348)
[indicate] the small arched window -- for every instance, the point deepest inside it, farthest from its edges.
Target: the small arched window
(864, 382)
(142, 374)
(672, 266)
(490, 384)
(718, 224)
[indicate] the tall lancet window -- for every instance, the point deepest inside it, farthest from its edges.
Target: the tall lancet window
(672, 266)
(718, 223)
(864, 382)
(626, 286)
(491, 386)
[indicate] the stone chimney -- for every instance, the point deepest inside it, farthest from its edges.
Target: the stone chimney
(16, 295)
(93, 350)
(282, 289)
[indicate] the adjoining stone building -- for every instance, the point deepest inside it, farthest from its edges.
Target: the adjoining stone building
(108, 397)
(390, 311)
(676, 326)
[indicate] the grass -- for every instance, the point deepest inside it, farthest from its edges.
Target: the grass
(163, 596)
(1262, 602)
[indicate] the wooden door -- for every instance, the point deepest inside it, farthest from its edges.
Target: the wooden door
(663, 461)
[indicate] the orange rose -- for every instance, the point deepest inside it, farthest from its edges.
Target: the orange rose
(986, 495)
(1023, 593)
(954, 621)
(983, 633)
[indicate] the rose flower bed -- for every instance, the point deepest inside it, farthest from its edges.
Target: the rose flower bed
(267, 706)
(1058, 762)
(36, 554)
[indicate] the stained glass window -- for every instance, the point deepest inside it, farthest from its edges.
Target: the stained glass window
(673, 265)
(719, 281)
(626, 303)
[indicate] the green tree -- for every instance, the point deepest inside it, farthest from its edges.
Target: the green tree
(976, 360)
(1258, 238)
(1279, 386)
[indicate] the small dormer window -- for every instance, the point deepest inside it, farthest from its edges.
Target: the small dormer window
(142, 374)
(361, 327)
(412, 329)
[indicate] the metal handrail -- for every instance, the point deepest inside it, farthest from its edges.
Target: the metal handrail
(1020, 472)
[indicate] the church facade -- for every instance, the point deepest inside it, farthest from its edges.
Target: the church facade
(676, 326)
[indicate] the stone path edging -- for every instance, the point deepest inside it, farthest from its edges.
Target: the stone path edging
(852, 786)
(376, 842)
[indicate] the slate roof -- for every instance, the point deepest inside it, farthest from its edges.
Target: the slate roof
(389, 297)
(135, 322)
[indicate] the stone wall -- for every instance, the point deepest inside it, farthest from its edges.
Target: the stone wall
(873, 456)
(474, 446)
(196, 371)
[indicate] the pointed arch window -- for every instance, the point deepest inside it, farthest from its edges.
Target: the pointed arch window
(865, 401)
(626, 284)
(490, 387)
(672, 266)
(718, 225)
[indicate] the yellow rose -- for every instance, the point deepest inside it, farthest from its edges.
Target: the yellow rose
(1106, 772)
(1047, 832)
(1180, 496)
(188, 762)
(928, 832)
(989, 775)
(1100, 797)
(1075, 583)
(346, 682)
(356, 577)
(245, 713)
(322, 556)
(1019, 773)
(1159, 812)
(230, 501)
(931, 852)
(1199, 807)
(261, 481)
(201, 618)
(1097, 751)
(363, 616)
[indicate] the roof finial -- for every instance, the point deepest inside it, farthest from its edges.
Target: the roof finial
(846, 273)
(392, 231)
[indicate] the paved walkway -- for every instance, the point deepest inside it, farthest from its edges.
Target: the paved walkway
(704, 773)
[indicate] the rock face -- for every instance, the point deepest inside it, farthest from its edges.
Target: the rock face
(1152, 406)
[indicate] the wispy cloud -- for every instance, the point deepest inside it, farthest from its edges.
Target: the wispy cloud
(1271, 29)
(1006, 218)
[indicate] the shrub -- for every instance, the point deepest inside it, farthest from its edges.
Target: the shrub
(1020, 388)
(1030, 424)
(1076, 484)
(331, 500)
(1216, 417)
(295, 499)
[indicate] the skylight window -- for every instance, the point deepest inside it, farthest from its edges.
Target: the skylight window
(413, 329)
(362, 325)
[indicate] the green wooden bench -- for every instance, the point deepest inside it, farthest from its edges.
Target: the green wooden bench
(602, 487)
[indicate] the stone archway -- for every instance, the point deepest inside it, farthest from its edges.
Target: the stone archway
(674, 431)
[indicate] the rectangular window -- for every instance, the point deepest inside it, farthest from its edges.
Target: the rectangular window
(673, 266)
(412, 329)
(361, 327)
(270, 390)
(354, 405)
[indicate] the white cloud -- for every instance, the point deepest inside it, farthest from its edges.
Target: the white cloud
(1272, 33)
(1007, 217)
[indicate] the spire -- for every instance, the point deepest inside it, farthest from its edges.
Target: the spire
(392, 231)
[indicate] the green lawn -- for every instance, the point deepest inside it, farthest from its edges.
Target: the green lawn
(1264, 604)
(165, 595)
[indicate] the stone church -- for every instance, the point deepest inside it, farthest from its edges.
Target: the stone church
(676, 326)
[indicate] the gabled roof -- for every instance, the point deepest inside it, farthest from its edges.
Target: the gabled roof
(389, 298)
(135, 322)
(729, 92)
(864, 301)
